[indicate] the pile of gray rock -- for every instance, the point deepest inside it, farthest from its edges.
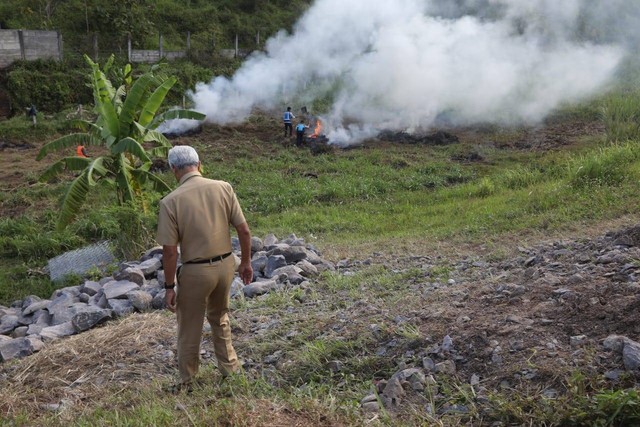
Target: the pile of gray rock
(137, 286)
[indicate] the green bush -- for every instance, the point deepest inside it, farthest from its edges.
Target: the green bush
(49, 90)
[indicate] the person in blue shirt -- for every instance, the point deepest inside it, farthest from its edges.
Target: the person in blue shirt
(300, 128)
(287, 117)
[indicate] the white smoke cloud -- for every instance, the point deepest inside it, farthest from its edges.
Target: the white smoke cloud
(407, 64)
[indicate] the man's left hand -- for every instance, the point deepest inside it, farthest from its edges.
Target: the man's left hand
(170, 300)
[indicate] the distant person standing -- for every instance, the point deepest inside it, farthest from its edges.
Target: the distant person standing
(32, 113)
(287, 117)
(300, 128)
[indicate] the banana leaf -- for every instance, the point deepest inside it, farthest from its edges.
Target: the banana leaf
(67, 163)
(97, 167)
(157, 183)
(73, 200)
(155, 101)
(123, 180)
(157, 137)
(132, 102)
(130, 145)
(67, 141)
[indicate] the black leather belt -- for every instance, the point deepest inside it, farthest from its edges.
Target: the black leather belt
(210, 260)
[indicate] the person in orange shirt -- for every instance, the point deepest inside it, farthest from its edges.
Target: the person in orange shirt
(81, 151)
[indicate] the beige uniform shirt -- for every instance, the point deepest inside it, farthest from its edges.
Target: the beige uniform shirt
(197, 215)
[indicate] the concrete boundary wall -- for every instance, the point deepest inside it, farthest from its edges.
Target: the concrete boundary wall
(29, 45)
(139, 55)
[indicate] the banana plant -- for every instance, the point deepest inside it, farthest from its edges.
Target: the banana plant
(126, 121)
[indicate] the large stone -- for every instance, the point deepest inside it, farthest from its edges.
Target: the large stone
(98, 300)
(259, 288)
(269, 241)
(393, 392)
(158, 301)
(57, 331)
(256, 244)
(324, 266)
(19, 347)
(66, 314)
(36, 329)
(292, 272)
(90, 288)
(274, 262)
(155, 252)
(291, 254)
(631, 355)
(20, 331)
(258, 263)
(41, 319)
(614, 343)
(313, 257)
(31, 299)
(120, 307)
(119, 289)
(61, 302)
(152, 287)
(88, 319)
(160, 277)
(141, 300)
(307, 269)
(130, 274)
(8, 323)
(293, 240)
(5, 311)
(69, 290)
(236, 287)
(150, 266)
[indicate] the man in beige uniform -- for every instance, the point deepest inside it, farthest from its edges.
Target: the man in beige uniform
(197, 216)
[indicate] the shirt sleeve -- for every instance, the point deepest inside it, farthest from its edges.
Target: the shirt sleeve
(236, 216)
(167, 227)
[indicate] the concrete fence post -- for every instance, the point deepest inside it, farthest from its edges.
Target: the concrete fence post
(258, 39)
(95, 47)
(160, 49)
(129, 47)
(188, 40)
(60, 46)
(21, 41)
(236, 55)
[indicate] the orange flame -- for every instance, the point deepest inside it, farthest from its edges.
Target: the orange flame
(317, 129)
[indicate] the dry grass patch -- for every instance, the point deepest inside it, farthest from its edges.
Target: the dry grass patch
(79, 370)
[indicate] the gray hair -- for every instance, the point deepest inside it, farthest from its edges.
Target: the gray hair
(182, 156)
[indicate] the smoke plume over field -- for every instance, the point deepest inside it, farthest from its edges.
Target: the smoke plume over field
(410, 64)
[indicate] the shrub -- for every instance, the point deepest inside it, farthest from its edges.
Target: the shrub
(49, 91)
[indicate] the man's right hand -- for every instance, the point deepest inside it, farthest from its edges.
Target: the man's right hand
(246, 272)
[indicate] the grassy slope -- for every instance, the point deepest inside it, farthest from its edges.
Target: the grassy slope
(381, 198)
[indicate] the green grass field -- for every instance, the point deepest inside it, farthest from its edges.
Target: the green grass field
(379, 197)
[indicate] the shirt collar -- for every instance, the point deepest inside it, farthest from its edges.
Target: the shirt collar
(186, 176)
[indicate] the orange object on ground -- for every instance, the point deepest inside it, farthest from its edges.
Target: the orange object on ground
(81, 152)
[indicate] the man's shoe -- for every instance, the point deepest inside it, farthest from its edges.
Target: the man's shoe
(178, 387)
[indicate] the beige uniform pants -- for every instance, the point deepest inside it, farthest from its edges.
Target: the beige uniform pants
(204, 289)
